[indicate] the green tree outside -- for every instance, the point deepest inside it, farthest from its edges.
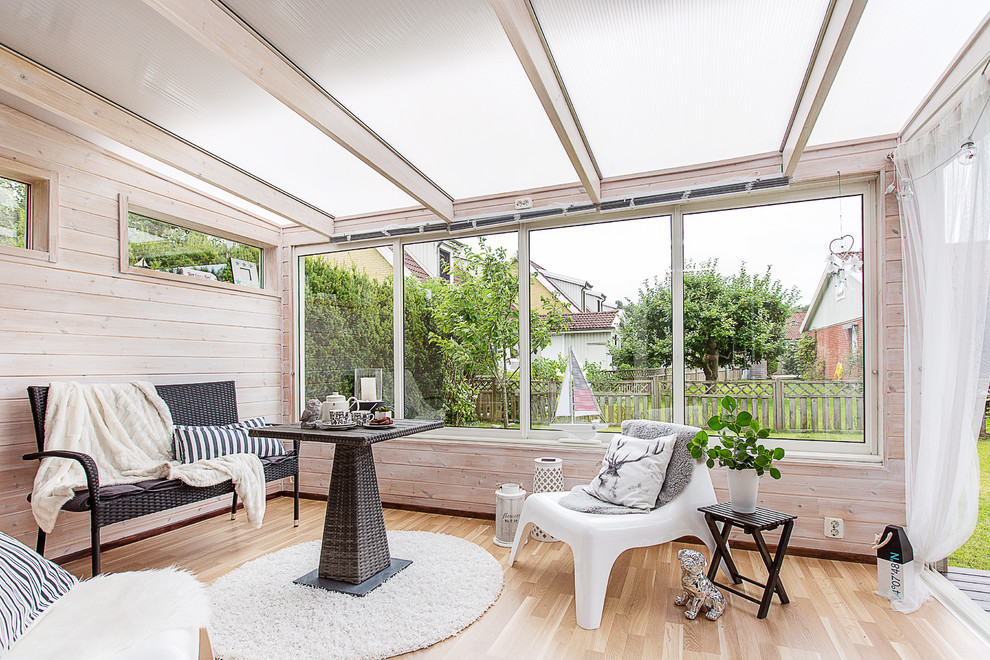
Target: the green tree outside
(729, 320)
(477, 319)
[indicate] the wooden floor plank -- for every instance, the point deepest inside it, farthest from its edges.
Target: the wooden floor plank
(832, 614)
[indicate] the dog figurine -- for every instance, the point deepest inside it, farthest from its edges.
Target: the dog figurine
(699, 592)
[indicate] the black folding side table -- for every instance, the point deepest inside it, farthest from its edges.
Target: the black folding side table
(753, 524)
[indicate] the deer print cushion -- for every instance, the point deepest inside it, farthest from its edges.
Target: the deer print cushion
(633, 471)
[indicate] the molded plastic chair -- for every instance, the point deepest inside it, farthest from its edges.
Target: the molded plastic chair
(597, 540)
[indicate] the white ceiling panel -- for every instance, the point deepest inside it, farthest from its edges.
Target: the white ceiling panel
(659, 84)
(899, 51)
(128, 54)
(436, 79)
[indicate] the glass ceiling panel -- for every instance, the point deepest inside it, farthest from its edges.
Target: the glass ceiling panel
(665, 84)
(437, 79)
(127, 53)
(899, 51)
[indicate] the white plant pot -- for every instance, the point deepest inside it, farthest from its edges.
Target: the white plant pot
(743, 487)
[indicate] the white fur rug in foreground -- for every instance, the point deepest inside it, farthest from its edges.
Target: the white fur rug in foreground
(259, 614)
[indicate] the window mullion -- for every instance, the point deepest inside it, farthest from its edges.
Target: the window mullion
(524, 336)
(398, 336)
(677, 305)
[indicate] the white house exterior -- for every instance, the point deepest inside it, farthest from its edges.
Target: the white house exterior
(588, 335)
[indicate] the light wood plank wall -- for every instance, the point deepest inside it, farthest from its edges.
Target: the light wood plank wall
(462, 476)
(81, 319)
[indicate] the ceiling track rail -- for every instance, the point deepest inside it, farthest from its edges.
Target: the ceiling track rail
(470, 224)
(466, 224)
(679, 196)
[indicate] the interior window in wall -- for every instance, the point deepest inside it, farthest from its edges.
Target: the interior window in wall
(347, 325)
(774, 316)
(169, 248)
(14, 205)
(28, 211)
(461, 332)
(602, 294)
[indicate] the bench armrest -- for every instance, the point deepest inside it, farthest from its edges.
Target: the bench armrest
(87, 462)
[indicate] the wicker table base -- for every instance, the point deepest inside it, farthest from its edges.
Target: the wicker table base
(354, 558)
(355, 546)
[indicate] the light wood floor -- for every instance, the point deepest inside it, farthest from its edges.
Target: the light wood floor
(832, 614)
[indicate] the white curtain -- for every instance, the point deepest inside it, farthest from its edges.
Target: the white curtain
(944, 193)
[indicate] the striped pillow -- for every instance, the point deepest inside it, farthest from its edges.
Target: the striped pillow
(29, 583)
(195, 443)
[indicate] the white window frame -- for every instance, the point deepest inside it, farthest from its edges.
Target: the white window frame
(192, 218)
(869, 451)
(42, 220)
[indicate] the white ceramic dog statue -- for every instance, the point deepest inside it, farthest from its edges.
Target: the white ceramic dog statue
(699, 592)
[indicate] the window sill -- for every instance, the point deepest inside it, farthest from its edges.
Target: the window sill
(147, 273)
(22, 254)
(513, 438)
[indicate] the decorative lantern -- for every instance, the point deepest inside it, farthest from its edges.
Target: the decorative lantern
(896, 572)
(548, 477)
(509, 500)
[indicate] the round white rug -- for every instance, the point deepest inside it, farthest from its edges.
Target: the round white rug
(259, 614)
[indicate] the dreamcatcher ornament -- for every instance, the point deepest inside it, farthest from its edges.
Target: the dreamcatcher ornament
(843, 261)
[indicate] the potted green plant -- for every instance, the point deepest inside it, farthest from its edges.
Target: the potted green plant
(739, 451)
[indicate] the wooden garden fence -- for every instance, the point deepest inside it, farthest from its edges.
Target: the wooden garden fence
(780, 404)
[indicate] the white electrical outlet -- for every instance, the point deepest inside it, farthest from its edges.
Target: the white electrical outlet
(834, 528)
(524, 203)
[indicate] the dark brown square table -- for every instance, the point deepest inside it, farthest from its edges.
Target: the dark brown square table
(355, 556)
(753, 524)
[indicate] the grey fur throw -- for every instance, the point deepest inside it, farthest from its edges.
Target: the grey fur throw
(678, 476)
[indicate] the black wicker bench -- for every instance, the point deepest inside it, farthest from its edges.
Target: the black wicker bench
(193, 404)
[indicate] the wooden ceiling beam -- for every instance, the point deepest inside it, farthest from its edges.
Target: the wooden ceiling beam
(841, 22)
(520, 25)
(63, 98)
(225, 35)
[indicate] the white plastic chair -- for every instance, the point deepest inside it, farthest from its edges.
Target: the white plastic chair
(597, 540)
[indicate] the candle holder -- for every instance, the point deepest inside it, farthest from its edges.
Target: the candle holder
(368, 387)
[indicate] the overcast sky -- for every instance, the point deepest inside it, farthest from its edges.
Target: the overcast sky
(617, 256)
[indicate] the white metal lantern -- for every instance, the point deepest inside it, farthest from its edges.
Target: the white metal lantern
(509, 500)
(548, 477)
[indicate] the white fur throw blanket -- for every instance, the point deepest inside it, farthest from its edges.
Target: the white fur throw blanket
(127, 429)
(110, 614)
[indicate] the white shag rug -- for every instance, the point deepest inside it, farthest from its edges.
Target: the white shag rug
(259, 614)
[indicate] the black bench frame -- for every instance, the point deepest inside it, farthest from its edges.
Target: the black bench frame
(192, 404)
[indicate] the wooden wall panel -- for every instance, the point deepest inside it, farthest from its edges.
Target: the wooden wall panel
(462, 476)
(81, 319)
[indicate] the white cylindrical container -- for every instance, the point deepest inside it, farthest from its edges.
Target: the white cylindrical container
(743, 488)
(548, 477)
(509, 500)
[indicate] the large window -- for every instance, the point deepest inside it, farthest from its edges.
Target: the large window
(774, 316)
(346, 325)
(461, 331)
(603, 293)
(657, 317)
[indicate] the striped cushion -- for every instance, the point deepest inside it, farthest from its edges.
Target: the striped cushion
(29, 583)
(195, 443)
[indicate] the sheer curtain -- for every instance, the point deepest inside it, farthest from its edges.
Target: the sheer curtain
(944, 193)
